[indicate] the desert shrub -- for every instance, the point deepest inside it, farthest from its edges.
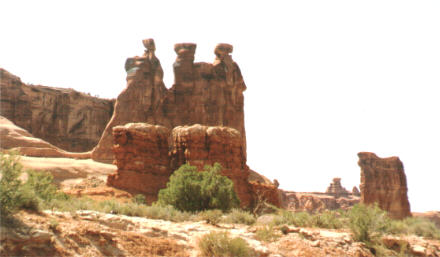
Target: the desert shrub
(33, 194)
(10, 196)
(238, 216)
(41, 183)
(220, 244)
(167, 212)
(212, 217)
(139, 199)
(299, 219)
(414, 225)
(190, 190)
(367, 223)
(328, 219)
(267, 234)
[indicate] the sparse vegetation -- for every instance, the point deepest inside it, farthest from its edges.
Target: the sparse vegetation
(239, 216)
(212, 217)
(220, 244)
(267, 234)
(367, 222)
(416, 226)
(191, 190)
(16, 194)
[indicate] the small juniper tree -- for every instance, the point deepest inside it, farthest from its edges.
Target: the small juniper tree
(191, 190)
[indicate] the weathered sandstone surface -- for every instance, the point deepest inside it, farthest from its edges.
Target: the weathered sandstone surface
(203, 93)
(383, 181)
(13, 137)
(141, 155)
(138, 101)
(68, 119)
(147, 154)
(199, 145)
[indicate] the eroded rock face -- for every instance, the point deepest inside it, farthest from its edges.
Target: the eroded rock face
(146, 155)
(383, 180)
(199, 145)
(68, 119)
(138, 101)
(141, 155)
(336, 188)
(203, 93)
(13, 137)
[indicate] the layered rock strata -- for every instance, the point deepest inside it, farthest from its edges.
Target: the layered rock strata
(203, 93)
(68, 119)
(147, 154)
(13, 137)
(383, 181)
(141, 156)
(199, 145)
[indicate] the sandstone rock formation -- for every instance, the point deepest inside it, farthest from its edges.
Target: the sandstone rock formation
(147, 154)
(141, 155)
(199, 145)
(383, 181)
(139, 99)
(336, 188)
(203, 93)
(13, 137)
(68, 119)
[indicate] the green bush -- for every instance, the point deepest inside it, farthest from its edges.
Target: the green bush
(212, 217)
(190, 190)
(41, 183)
(36, 192)
(367, 223)
(237, 216)
(220, 244)
(10, 196)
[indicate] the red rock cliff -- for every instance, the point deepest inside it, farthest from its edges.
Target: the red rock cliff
(199, 145)
(383, 180)
(65, 118)
(147, 154)
(203, 93)
(141, 155)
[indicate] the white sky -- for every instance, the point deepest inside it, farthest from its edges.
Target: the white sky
(326, 79)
